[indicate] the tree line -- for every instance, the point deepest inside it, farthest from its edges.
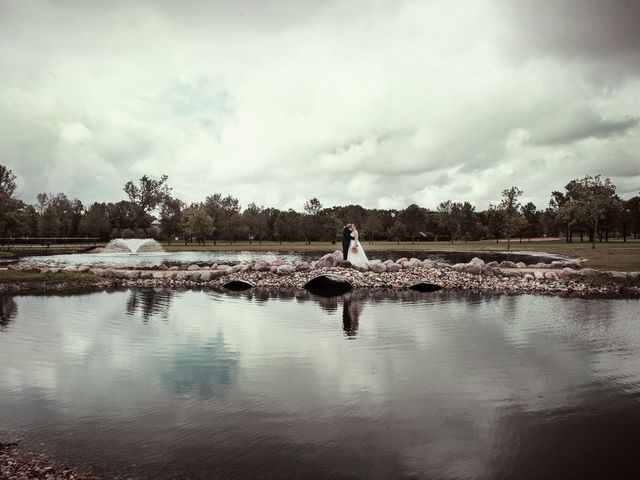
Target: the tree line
(587, 210)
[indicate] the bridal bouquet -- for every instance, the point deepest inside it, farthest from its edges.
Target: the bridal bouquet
(354, 249)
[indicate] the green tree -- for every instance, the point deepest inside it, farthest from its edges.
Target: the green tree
(512, 218)
(255, 218)
(397, 230)
(145, 197)
(9, 206)
(468, 223)
(225, 212)
(592, 198)
(196, 223)
(414, 220)
(171, 216)
(531, 217)
(95, 222)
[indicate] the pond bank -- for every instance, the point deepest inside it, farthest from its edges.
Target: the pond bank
(557, 277)
(18, 464)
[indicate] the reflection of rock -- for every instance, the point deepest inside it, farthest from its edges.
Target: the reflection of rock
(205, 370)
(150, 303)
(8, 310)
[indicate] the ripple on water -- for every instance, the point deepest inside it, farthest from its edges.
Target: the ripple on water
(180, 382)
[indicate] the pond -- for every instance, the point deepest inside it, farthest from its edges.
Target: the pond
(236, 257)
(203, 384)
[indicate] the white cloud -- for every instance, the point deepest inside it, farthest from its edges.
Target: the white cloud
(381, 103)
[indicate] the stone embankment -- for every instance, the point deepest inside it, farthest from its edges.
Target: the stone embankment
(558, 277)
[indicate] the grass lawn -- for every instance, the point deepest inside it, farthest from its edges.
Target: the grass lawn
(615, 255)
(27, 280)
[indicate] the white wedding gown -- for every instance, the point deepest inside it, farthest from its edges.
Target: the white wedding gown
(359, 258)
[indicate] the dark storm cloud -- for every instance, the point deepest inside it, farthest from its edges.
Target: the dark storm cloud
(606, 32)
(567, 128)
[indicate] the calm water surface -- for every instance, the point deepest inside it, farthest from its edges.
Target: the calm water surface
(200, 384)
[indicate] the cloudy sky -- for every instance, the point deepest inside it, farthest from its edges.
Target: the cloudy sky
(382, 103)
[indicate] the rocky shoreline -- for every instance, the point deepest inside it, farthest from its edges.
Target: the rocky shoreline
(557, 277)
(16, 464)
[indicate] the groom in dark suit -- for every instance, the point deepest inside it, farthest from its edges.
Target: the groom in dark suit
(346, 239)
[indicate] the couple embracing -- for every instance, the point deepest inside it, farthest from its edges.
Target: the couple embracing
(351, 246)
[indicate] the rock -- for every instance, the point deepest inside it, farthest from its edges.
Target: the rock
(618, 274)
(400, 261)
(343, 264)
(551, 275)
(488, 271)
(193, 268)
(507, 264)
(476, 261)
(574, 263)
(558, 264)
(377, 267)
(521, 265)
(217, 273)
(474, 268)
(285, 269)
(205, 276)
(459, 267)
(261, 267)
(538, 275)
(361, 268)
(70, 269)
(277, 262)
(195, 276)
(588, 272)
(492, 264)
(567, 272)
(175, 268)
(429, 264)
(302, 267)
(339, 255)
(328, 260)
(394, 267)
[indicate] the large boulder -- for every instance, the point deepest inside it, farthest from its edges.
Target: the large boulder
(302, 266)
(477, 261)
(343, 264)
(277, 262)
(285, 269)
(521, 265)
(261, 266)
(339, 255)
(400, 261)
(459, 267)
(361, 268)
(193, 267)
(588, 272)
(328, 260)
(507, 264)
(394, 267)
(474, 268)
(377, 266)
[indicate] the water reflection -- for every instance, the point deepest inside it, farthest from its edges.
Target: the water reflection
(8, 311)
(351, 317)
(150, 303)
(262, 384)
(206, 370)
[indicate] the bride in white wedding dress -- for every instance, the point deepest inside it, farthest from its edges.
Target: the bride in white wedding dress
(356, 253)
